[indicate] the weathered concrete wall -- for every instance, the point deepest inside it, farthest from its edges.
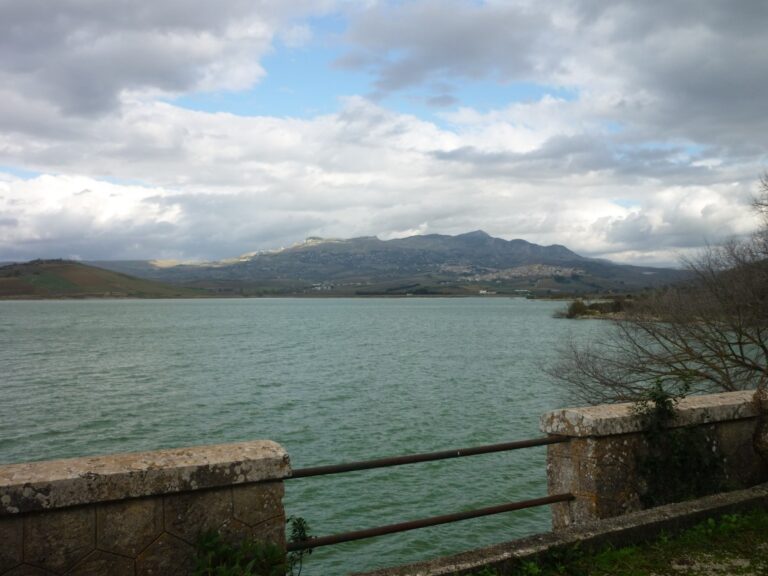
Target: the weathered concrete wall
(599, 465)
(137, 514)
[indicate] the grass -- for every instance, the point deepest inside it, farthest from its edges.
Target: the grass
(50, 282)
(734, 545)
(64, 279)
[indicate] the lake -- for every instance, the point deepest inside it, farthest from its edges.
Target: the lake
(332, 380)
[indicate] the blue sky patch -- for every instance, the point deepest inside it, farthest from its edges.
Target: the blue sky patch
(305, 81)
(19, 172)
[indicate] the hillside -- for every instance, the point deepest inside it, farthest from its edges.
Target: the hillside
(66, 279)
(429, 264)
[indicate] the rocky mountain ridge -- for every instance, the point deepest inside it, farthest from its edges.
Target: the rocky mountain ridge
(435, 263)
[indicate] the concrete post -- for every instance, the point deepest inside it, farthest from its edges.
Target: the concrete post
(599, 463)
(137, 514)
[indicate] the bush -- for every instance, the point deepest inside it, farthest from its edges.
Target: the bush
(216, 557)
(577, 308)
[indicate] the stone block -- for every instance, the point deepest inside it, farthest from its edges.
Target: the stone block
(743, 465)
(562, 449)
(27, 570)
(614, 419)
(35, 486)
(599, 471)
(11, 549)
(581, 510)
(189, 515)
(233, 531)
(130, 526)
(599, 464)
(562, 516)
(617, 450)
(273, 530)
(561, 474)
(166, 556)
(57, 540)
(100, 563)
(606, 507)
(257, 503)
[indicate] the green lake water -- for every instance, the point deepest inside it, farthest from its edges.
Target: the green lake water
(332, 380)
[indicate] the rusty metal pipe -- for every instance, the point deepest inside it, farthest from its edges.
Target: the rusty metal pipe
(425, 457)
(425, 522)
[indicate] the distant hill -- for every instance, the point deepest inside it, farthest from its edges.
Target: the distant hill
(429, 264)
(66, 279)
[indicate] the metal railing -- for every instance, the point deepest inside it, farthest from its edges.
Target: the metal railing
(315, 542)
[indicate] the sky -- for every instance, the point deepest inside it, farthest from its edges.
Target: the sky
(200, 130)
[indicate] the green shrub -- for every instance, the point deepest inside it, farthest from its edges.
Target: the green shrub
(680, 463)
(576, 309)
(216, 557)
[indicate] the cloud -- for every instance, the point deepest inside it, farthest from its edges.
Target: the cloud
(411, 43)
(296, 36)
(673, 70)
(60, 215)
(442, 101)
(82, 58)
(653, 151)
(217, 185)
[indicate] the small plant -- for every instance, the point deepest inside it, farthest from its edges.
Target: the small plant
(530, 569)
(680, 463)
(217, 557)
(486, 572)
(299, 532)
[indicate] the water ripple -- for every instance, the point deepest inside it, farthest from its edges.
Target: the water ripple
(332, 380)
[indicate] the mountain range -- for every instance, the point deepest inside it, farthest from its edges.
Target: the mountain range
(426, 264)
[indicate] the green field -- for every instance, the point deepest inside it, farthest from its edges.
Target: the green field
(64, 279)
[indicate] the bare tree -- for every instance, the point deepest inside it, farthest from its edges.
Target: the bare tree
(761, 202)
(709, 334)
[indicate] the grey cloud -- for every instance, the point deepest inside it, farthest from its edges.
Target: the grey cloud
(442, 101)
(699, 67)
(226, 225)
(701, 63)
(638, 231)
(81, 56)
(125, 243)
(563, 156)
(209, 227)
(676, 70)
(412, 43)
(29, 115)
(633, 230)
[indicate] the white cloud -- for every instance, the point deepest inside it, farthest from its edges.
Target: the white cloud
(216, 185)
(297, 36)
(61, 215)
(655, 151)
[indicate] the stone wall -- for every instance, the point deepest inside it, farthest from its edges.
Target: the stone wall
(137, 514)
(599, 464)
